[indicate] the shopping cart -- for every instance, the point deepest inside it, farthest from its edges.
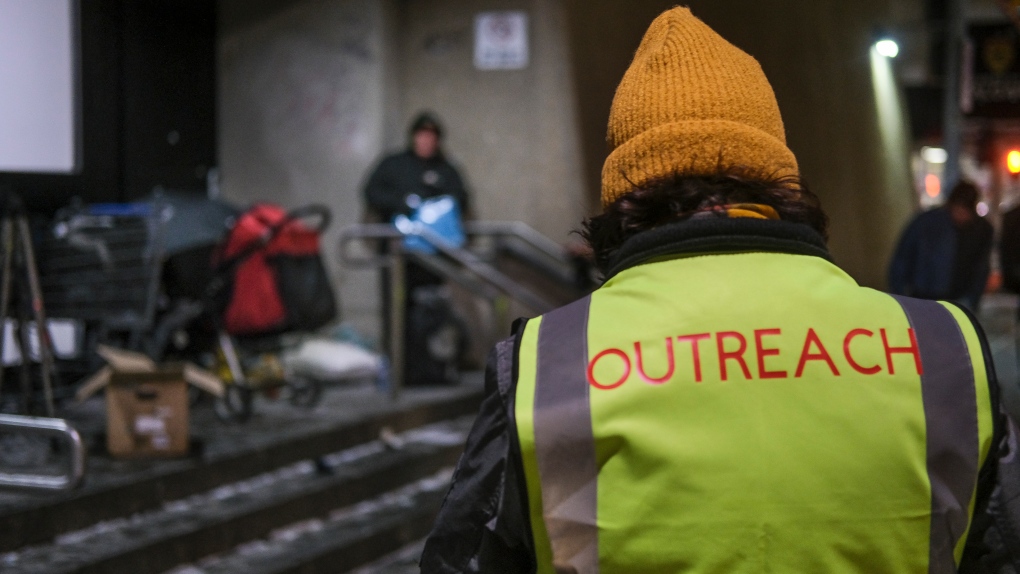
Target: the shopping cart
(100, 270)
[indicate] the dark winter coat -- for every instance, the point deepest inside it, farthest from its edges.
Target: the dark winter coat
(936, 260)
(405, 174)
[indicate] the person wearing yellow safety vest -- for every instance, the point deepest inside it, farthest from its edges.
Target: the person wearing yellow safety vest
(729, 400)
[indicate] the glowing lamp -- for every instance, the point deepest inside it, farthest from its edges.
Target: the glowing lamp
(1013, 162)
(887, 47)
(934, 155)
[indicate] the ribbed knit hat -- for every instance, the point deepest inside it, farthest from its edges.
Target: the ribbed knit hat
(691, 103)
(426, 121)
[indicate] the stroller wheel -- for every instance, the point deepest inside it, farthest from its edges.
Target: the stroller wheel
(304, 393)
(235, 405)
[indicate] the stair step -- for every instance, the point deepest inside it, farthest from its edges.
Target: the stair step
(271, 441)
(347, 539)
(403, 561)
(233, 515)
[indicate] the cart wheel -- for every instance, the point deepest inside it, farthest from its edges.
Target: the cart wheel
(235, 405)
(304, 393)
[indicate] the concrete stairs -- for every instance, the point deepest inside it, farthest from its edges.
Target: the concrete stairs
(333, 497)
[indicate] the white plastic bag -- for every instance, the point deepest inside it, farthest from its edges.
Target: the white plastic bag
(327, 360)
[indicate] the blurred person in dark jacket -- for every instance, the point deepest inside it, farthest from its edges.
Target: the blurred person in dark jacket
(945, 252)
(397, 186)
(404, 179)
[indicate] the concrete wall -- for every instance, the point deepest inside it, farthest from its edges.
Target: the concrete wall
(514, 132)
(816, 54)
(314, 92)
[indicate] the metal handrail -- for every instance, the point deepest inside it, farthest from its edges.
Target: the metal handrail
(47, 427)
(484, 271)
(456, 264)
(522, 231)
(512, 229)
(563, 273)
(452, 272)
(471, 262)
(377, 231)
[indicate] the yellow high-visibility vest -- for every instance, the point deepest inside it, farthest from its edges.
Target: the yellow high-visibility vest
(751, 412)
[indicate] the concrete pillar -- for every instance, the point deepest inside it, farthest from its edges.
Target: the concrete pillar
(304, 101)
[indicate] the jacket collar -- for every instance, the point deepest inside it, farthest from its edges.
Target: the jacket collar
(718, 235)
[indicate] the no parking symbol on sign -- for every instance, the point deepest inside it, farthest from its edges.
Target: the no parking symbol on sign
(501, 41)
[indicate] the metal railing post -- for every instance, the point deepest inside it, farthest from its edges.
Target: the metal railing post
(398, 306)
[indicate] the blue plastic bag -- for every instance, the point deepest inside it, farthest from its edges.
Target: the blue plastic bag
(439, 217)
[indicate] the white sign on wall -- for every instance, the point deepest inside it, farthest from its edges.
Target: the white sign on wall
(501, 40)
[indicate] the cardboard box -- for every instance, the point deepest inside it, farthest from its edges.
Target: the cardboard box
(147, 413)
(119, 360)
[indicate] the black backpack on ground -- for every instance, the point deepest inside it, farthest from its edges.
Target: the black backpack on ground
(435, 340)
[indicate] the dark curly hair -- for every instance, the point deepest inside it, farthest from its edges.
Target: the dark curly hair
(679, 197)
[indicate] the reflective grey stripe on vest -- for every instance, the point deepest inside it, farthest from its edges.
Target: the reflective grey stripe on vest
(564, 440)
(950, 412)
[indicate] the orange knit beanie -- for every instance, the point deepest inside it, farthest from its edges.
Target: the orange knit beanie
(691, 103)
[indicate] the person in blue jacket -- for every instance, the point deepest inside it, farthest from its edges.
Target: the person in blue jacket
(944, 253)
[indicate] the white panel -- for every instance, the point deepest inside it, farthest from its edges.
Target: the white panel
(65, 336)
(38, 87)
(501, 40)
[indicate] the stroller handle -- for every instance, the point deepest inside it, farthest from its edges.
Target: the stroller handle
(308, 214)
(305, 214)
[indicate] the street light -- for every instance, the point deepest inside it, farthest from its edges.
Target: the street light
(887, 47)
(1013, 162)
(934, 154)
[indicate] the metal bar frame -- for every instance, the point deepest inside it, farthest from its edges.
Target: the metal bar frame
(398, 304)
(50, 427)
(457, 264)
(470, 261)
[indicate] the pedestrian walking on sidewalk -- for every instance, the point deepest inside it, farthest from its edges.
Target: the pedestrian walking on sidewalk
(945, 253)
(729, 400)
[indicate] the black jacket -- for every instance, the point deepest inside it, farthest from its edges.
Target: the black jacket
(484, 523)
(403, 174)
(1009, 250)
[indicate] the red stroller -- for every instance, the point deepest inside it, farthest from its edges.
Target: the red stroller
(267, 281)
